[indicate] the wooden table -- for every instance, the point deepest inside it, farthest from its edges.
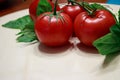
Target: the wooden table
(25, 4)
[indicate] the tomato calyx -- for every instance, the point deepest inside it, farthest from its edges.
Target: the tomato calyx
(57, 16)
(56, 13)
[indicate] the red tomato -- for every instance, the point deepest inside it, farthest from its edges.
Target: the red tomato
(72, 10)
(53, 30)
(89, 28)
(33, 8)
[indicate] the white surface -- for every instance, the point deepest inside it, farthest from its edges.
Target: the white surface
(19, 61)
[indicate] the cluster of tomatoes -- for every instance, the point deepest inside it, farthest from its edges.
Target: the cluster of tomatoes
(55, 28)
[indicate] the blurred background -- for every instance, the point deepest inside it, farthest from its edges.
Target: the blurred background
(7, 6)
(10, 3)
(6, 3)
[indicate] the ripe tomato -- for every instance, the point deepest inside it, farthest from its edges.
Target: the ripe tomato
(89, 28)
(72, 10)
(33, 8)
(53, 30)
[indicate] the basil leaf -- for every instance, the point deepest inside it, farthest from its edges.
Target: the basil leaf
(18, 23)
(43, 6)
(27, 37)
(98, 6)
(27, 34)
(107, 44)
(26, 26)
(115, 30)
(110, 43)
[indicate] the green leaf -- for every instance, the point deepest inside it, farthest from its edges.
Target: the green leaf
(98, 6)
(27, 34)
(43, 6)
(18, 23)
(115, 30)
(27, 38)
(26, 26)
(107, 44)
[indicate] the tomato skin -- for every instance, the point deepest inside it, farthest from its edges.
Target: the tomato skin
(53, 31)
(89, 28)
(33, 8)
(72, 10)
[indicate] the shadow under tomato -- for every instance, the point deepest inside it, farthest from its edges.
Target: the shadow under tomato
(54, 50)
(86, 49)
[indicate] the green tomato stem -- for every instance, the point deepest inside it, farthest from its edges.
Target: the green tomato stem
(56, 2)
